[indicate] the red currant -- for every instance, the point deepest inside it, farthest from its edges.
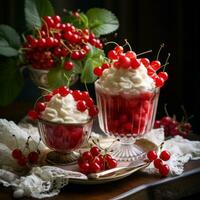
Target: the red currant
(95, 151)
(157, 163)
(33, 114)
(98, 71)
(165, 155)
(152, 155)
(17, 153)
(68, 65)
(164, 170)
(33, 157)
(81, 105)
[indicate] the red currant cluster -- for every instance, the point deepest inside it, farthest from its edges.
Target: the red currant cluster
(84, 102)
(172, 127)
(24, 160)
(120, 59)
(56, 40)
(93, 161)
(158, 162)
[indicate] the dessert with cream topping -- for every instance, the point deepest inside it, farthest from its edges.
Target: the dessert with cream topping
(64, 118)
(127, 93)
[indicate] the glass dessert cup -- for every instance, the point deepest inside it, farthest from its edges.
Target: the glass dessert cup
(126, 117)
(63, 139)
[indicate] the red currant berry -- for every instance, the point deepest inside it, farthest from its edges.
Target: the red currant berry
(164, 170)
(81, 106)
(40, 106)
(84, 168)
(155, 65)
(165, 155)
(17, 153)
(159, 82)
(131, 54)
(124, 61)
(105, 66)
(157, 124)
(93, 111)
(48, 97)
(152, 155)
(98, 71)
(119, 49)
(145, 61)
(95, 167)
(95, 151)
(63, 91)
(68, 65)
(157, 163)
(112, 54)
(111, 163)
(135, 63)
(77, 95)
(87, 156)
(163, 75)
(33, 114)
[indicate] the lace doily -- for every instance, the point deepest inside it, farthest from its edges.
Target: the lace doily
(46, 181)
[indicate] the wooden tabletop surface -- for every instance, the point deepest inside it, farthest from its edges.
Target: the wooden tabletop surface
(136, 186)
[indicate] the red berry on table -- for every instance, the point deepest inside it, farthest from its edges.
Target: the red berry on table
(84, 168)
(152, 155)
(33, 157)
(87, 156)
(17, 153)
(95, 151)
(98, 71)
(157, 163)
(68, 65)
(95, 167)
(157, 124)
(111, 163)
(165, 155)
(164, 170)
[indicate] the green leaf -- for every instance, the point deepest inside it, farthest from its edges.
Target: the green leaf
(58, 77)
(10, 35)
(6, 49)
(11, 81)
(102, 21)
(34, 10)
(81, 22)
(94, 59)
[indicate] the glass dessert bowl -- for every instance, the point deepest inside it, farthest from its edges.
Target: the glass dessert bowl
(127, 117)
(64, 121)
(63, 139)
(127, 93)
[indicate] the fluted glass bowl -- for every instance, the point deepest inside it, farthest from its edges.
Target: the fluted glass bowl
(63, 139)
(127, 117)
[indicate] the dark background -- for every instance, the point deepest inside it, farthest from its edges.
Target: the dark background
(146, 24)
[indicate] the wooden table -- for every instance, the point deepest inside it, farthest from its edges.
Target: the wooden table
(136, 186)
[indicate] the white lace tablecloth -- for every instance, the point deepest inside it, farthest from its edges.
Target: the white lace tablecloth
(46, 181)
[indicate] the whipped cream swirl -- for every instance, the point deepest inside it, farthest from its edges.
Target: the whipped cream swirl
(63, 110)
(125, 81)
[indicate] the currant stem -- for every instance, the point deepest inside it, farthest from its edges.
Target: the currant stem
(46, 26)
(161, 46)
(165, 108)
(149, 51)
(85, 84)
(166, 62)
(16, 141)
(66, 46)
(127, 43)
(111, 42)
(42, 88)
